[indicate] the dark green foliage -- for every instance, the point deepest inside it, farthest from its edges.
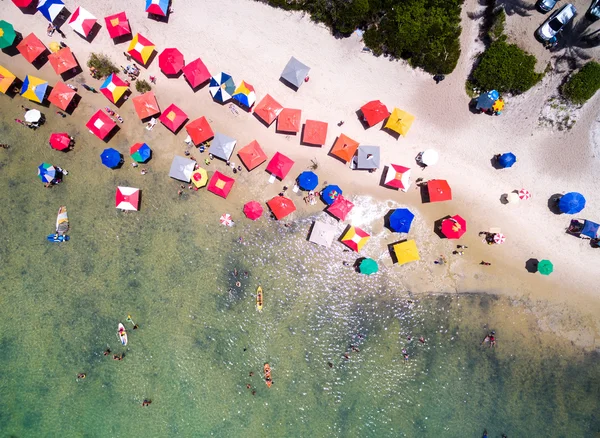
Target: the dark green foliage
(142, 86)
(583, 84)
(506, 68)
(496, 31)
(103, 64)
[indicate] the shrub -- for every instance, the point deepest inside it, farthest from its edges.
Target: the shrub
(496, 31)
(103, 64)
(583, 84)
(142, 86)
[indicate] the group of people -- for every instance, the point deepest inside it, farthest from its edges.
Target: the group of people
(132, 71)
(311, 198)
(60, 174)
(114, 114)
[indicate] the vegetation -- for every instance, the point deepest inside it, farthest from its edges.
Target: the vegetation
(496, 31)
(583, 84)
(103, 65)
(142, 86)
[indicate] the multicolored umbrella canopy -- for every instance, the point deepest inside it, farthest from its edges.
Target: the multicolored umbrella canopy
(545, 267)
(330, 193)
(111, 157)
(117, 25)
(220, 184)
(524, 194)
(252, 155)
(253, 210)
(322, 233)
(368, 266)
(146, 105)
(100, 124)
(295, 72)
(571, 203)
(140, 152)
(315, 132)
(268, 109)
(344, 148)
(222, 146)
(171, 61)
(34, 88)
(7, 34)
(62, 60)
(196, 73)
(82, 21)
(340, 207)
(439, 190)
(245, 94)
(454, 227)
(397, 177)
(200, 177)
(308, 180)
(46, 172)
(31, 47)
(401, 220)
(199, 130)
(60, 141)
(173, 117)
(281, 206)
(400, 121)
(182, 168)
(221, 87)
(113, 88)
(127, 198)
(50, 8)
(374, 112)
(6, 79)
(157, 7)
(289, 120)
(280, 165)
(140, 49)
(406, 252)
(355, 238)
(507, 160)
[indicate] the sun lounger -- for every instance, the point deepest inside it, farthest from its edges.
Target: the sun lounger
(188, 140)
(272, 179)
(151, 124)
(295, 188)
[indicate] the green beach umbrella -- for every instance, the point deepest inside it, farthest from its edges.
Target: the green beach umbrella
(368, 266)
(7, 34)
(545, 267)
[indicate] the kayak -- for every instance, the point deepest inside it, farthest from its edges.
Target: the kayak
(62, 221)
(57, 238)
(122, 334)
(259, 299)
(268, 379)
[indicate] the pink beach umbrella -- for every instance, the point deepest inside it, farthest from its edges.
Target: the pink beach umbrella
(524, 194)
(499, 238)
(226, 220)
(253, 210)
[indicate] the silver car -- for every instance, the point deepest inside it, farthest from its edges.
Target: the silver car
(555, 23)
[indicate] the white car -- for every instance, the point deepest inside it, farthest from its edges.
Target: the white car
(555, 23)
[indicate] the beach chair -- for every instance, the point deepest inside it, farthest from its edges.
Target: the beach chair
(272, 179)
(295, 188)
(188, 140)
(151, 123)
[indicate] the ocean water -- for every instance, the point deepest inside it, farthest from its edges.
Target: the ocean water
(172, 267)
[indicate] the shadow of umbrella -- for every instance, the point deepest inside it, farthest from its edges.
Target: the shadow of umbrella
(437, 227)
(532, 265)
(553, 203)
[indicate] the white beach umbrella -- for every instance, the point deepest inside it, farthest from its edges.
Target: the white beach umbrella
(33, 116)
(429, 157)
(512, 197)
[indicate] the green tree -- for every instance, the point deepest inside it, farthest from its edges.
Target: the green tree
(583, 84)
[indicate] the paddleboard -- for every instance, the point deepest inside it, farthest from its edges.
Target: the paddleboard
(259, 299)
(62, 221)
(268, 379)
(122, 334)
(55, 238)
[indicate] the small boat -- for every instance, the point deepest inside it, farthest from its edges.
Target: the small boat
(268, 379)
(122, 334)
(62, 221)
(259, 299)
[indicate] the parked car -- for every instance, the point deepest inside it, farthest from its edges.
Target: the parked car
(546, 5)
(555, 23)
(593, 12)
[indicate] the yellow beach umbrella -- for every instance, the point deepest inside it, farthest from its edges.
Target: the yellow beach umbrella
(6, 79)
(355, 238)
(498, 105)
(34, 88)
(54, 47)
(406, 252)
(400, 121)
(199, 177)
(140, 49)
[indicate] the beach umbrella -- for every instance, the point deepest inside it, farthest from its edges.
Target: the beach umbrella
(344, 148)
(397, 177)
(226, 220)
(220, 184)
(512, 197)
(60, 141)
(322, 233)
(268, 109)
(399, 121)
(146, 105)
(454, 227)
(111, 158)
(401, 220)
(429, 157)
(355, 238)
(127, 198)
(295, 72)
(117, 25)
(173, 117)
(315, 132)
(182, 168)
(46, 172)
(100, 124)
(253, 210)
(340, 207)
(196, 73)
(140, 49)
(54, 47)
(222, 146)
(22, 3)
(33, 116)
(308, 180)
(524, 194)
(368, 266)
(498, 106)
(82, 21)
(157, 7)
(245, 94)
(281, 206)
(571, 203)
(200, 177)
(507, 160)
(368, 157)
(280, 165)
(487, 100)
(31, 47)
(113, 88)
(50, 9)
(330, 193)
(62, 60)
(439, 190)
(374, 112)
(406, 252)
(499, 238)
(34, 88)
(221, 87)
(171, 61)
(252, 155)
(140, 152)
(7, 34)
(590, 229)
(545, 267)
(289, 120)
(61, 95)
(199, 130)
(6, 79)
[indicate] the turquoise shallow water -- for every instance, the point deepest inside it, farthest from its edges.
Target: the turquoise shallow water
(171, 267)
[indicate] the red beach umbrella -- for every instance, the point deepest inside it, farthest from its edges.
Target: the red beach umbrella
(100, 124)
(60, 141)
(439, 190)
(252, 155)
(22, 3)
(268, 109)
(31, 47)
(61, 95)
(315, 132)
(289, 120)
(281, 206)
(454, 227)
(171, 61)
(127, 198)
(220, 184)
(340, 207)
(374, 112)
(397, 177)
(62, 61)
(146, 105)
(199, 130)
(280, 165)
(117, 25)
(196, 73)
(253, 210)
(173, 117)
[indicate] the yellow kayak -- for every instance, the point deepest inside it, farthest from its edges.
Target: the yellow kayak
(259, 299)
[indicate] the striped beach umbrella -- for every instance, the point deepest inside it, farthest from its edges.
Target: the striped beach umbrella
(245, 94)
(524, 194)
(355, 238)
(7, 34)
(34, 88)
(499, 238)
(46, 172)
(221, 87)
(330, 193)
(50, 8)
(157, 7)
(140, 152)
(140, 48)
(127, 198)
(82, 21)
(6, 79)
(113, 88)
(397, 177)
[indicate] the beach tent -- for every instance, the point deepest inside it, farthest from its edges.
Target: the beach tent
(171, 61)
(429, 157)
(344, 148)
(22, 3)
(244, 94)
(140, 152)
(315, 132)
(374, 112)
(157, 7)
(400, 121)
(289, 120)
(280, 165)
(113, 88)
(330, 193)
(487, 100)
(295, 72)
(62, 60)
(368, 158)
(61, 95)
(50, 9)
(196, 73)
(252, 155)
(200, 177)
(308, 180)
(117, 25)
(281, 206)
(355, 238)
(34, 89)
(127, 198)
(545, 267)
(100, 124)
(31, 47)
(140, 49)
(322, 233)
(406, 252)
(146, 105)
(507, 160)
(46, 172)
(7, 34)
(173, 117)
(368, 266)
(268, 109)
(220, 184)
(398, 177)
(439, 190)
(82, 21)
(6, 79)
(571, 203)
(454, 227)
(60, 141)
(253, 210)
(199, 130)
(221, 87)
(182, 168)
(222, 146)
(111, 158)
(340, 207)
(401, 220)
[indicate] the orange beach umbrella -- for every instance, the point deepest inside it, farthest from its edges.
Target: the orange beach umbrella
(199, 130)
(289, 120)
(61, 95)
(344, 148)
(62, 61)
(146, 105)
(6, 79)
(281, 206)
(31, 47)
(252, 155)
(268, 109)
(315, 132)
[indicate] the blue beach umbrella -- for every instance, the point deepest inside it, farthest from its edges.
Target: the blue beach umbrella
(401, 220)
(308, 180)
(507, 160)
(590, 229)
(221, 87)
(111, 157)
(571, 203)
(486, 101)
(46, 172)
(50, 8)
(157, 7)
(330, 193)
